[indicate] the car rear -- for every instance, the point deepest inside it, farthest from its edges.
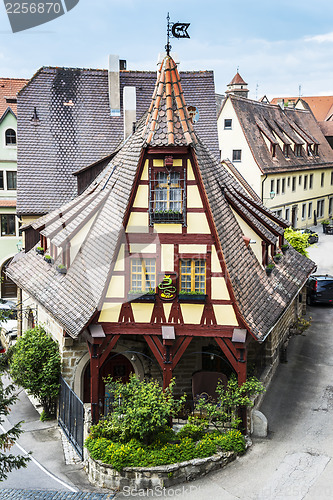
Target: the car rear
(320, 289)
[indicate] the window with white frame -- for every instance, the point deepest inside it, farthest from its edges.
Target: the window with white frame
(236, 155)
(10, 137)
(8, 226)
(293, 184)
(11, 180)
(320, 208)
(283, 185)
(143, 275)
(310, 210)
(228, 124)
(303, 211)
(310, 181)
(2, 185)
(287, 214)
(322, 179)
(305, 184)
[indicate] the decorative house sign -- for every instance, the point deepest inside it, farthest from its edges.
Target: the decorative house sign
(167, 288)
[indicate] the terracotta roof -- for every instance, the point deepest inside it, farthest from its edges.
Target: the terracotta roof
(9, 87)
(320, 106)
(237, 80)
(168, 122)
(7, 203)
(259, 120)
(65, 139)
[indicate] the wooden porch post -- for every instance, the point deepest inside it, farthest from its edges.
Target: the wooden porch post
(94, 384)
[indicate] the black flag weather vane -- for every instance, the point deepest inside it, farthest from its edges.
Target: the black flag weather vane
(175, 30)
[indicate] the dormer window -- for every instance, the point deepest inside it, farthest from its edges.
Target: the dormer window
(273, 150)
(298, 150)
(10, 137)
(166, 196)
(315, 150)
(286, 150)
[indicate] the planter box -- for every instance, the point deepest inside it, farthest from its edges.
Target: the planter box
(141, 478)
(137, 297)
(269, 270)
(167, 217)
(277, 259)
(49, 261)
(62, 270)
(40, 252)
(187, 297)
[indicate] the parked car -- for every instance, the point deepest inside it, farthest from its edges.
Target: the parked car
(2, 349)
(313, 238)
(320, 289)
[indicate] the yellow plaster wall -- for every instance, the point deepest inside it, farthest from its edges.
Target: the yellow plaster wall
(192, 313)
(167, 257)
(137, 223)
(145, 172)
(79, 238)
(167, 308)
(193, 197)
(116, 287)
(225, 315)
(190, 173)
(195, 249)
(141, 197)
(215, 266)
(250, 233)
(120, 262)
(197, 223)
(219, 289)
(142, 248)
(168, 228)
(110, 312)
(142, 312)
(158, 163)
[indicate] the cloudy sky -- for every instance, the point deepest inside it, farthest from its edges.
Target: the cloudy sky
(278, 45)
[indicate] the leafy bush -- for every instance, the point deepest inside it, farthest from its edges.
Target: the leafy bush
(192, 431)
(136, 454)
(298, 240)
(35, 366)
(140, 409)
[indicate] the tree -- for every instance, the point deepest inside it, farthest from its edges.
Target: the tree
(35, 366)
(9, 462)
(298, 240)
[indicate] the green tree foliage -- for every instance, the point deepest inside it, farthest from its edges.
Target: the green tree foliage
(8, 462)
(140, 408)
(35, 365)
(224, 411)
(298, 240)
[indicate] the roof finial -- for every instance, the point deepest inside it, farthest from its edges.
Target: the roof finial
(237, 69)
(168, 45)
(175, 30)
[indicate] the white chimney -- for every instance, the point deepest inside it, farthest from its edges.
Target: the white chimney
(129, 106)
(114, 85)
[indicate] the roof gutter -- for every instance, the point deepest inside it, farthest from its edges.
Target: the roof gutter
(262, 187)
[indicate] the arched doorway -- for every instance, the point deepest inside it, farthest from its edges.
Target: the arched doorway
(8, 287)
(117, 366)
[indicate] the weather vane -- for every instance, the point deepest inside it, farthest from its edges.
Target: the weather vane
(175, 30)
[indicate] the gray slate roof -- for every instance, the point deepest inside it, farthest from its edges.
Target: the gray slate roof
(258, 118)
(64, 139)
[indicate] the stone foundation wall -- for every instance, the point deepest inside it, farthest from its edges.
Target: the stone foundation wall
(141, 478)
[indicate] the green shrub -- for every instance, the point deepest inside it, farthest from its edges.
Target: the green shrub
(297, 240)
(192, 431)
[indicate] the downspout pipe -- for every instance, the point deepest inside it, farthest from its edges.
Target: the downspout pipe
(262, 188)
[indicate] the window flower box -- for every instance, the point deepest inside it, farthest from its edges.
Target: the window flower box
(141, 296)
(284, 248)
(269, 269)
(48, 259)
(167, 216)
(198, 298)
(40, 250)
(62, 269)
(277, 257)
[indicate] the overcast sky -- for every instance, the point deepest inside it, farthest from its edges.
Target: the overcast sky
(277, 45)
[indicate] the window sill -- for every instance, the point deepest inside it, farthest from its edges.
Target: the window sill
(188, 297)
(138, 297)
(166, 218)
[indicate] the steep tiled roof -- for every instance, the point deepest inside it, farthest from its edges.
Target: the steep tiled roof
(7, 203)
(320, 106)
(57, 140)
(74, 298)
(237, 80)
(9, 87)
(259, 121)
(168, 122)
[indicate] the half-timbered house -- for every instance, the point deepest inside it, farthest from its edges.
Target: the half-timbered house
(158, 267)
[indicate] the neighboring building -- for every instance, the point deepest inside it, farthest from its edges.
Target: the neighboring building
(321, 107)
(71, 118)
(238, 86)
(9, 235)
(165, 256)
(283, 155)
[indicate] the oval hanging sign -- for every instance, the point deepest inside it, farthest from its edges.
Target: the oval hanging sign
(167, 289)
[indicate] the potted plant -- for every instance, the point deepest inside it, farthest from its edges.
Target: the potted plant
(48, 259)
(141, 296)
(269, 269)
(198, 297)
(62, 269)
(325, 223)
(40, 250)
(277, 257)
(284, 248)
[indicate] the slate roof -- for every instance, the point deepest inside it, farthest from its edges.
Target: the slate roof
(291, 126)
(74, 298)
(321, 106)
(57, 140)
(9, 87)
